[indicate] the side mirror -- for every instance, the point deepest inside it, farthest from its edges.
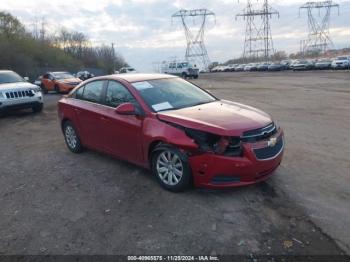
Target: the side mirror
(126, 109)
(26, 78)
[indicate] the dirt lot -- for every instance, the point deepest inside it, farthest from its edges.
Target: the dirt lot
(55, 202)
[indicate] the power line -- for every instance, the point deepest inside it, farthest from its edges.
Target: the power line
(196, 49)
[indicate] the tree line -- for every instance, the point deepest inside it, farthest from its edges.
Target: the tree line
(30, 55)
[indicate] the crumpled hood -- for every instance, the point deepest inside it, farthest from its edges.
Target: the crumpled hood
(222, 118)
(16, 86)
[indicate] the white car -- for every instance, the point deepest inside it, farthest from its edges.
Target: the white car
(341, 62)
(183, 69)
(16, 93)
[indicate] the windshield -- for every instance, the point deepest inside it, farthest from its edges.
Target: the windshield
(342, 58)
(171, 94)
(131, 69)
(10, 77)
(62, 75)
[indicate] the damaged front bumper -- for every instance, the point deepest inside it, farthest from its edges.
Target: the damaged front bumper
(258, 163)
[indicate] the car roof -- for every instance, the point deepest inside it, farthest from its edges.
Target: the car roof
(6, 71)
(132, 78)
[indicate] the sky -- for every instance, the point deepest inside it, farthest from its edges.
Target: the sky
(144, 33)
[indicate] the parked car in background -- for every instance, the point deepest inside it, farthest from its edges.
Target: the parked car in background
(240, 68)
(323, 64)
(16, 93)
(286, 64)
(60, 82)
(263, 66)
(127, 70)
(302, 65)
(176, 129)
(251, 67)
(84, 75)
(276, 67)
(341, 62)
(183, 69)
(231, 68)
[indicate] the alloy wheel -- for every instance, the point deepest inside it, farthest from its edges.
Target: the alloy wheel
(169, 168)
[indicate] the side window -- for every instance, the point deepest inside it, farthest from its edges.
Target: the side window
(117, 94)
(79, 93)
(92, 91)
(179, 65)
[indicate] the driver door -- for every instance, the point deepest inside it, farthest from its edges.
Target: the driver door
(121, 133)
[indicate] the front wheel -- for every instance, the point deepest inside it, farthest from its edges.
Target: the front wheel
(171, 168)
(43, 89)
(57, 89)
(72, 138)
(184, 75)
(38, 108)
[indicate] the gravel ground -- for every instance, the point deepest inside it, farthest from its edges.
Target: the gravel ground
(55, 202)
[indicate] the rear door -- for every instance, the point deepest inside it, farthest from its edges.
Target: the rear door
(121, 133)
(89, 109)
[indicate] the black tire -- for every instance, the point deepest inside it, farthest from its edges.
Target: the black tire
(43, 89)
(184, 75)
(57, 89)
(184, 181)
(38, 108)
(195, 77)
(76, 147)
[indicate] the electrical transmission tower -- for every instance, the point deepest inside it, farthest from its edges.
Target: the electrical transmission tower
(258, 42)
(196, 50)
(319, 37)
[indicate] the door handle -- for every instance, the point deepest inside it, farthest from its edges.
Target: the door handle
(78, 111)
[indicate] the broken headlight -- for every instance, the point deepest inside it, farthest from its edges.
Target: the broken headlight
(207, 142)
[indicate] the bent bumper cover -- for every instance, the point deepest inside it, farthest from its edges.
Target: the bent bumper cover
(215, 171)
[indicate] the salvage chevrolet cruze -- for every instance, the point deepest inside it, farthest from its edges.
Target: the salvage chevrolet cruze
(181, 132)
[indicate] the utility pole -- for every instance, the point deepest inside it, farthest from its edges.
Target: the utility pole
(319, 39)
(196, 50)
(43, 29)
(113, 54)
(258, 42)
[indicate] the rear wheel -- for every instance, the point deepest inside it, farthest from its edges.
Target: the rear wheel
(171, 168)
(72, 138)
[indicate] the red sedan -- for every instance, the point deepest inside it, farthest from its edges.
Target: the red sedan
(181, 132)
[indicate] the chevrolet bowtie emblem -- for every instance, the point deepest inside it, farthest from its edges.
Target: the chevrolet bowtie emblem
(272, 142)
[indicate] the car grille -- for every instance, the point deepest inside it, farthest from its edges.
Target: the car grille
(269, 152)
(19, 94)
(260, 134)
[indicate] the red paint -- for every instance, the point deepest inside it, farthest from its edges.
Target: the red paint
(116, 132)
